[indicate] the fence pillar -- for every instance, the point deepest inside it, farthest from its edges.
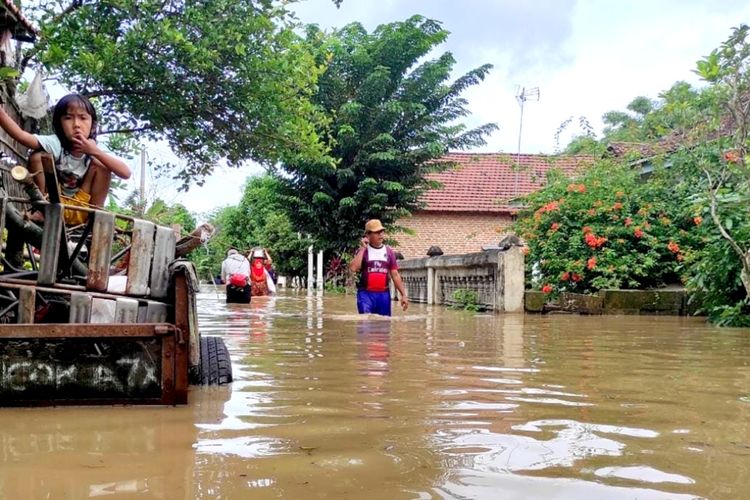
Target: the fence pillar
(430, 285)
(320, 270)
(513, 279)
(310, 268)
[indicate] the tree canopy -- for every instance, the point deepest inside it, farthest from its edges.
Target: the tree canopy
(696, 142)
(225, 79)
(259, 220)
(390, 115)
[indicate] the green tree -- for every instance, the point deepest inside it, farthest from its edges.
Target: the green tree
(259, 220)
(702, 136)
(723, 162)
(225, 79)
(158, 211)
(208, 263)
(390, 116)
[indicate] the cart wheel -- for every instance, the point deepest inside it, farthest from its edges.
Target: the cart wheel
(216, 368)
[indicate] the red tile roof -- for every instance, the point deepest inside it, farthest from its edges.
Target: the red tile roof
(487, 182)
(29, 31)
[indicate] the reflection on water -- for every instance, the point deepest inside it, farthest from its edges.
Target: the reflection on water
(431, 404)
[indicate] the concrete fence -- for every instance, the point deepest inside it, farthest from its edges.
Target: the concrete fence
(495, 276)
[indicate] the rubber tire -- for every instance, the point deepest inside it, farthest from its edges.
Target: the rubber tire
(216, 367)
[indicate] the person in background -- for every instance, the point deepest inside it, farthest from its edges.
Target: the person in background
(235, 272)
(268, 264)
(260, 279)
(377, 261)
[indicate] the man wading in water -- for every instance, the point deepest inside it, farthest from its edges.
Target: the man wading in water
(235, 272)
(377, 262)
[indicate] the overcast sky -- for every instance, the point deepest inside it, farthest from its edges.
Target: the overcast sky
(586, 57)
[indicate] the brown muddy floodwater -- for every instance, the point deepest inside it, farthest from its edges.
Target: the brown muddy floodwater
(433, 404)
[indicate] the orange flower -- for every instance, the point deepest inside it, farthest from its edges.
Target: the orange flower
(549, 207)
(628, 221)
(565, 276)
(590, 240)
(638, 233)
(617, 206)
(732, 156)
(594, 241)
(525, 250)
(592, 211)
(673, 247)
(555, 226)
(591, 263)
(576, 277)
(581, 188)
(547, 288)
(680, 257)
(698, 220)
(586, 229)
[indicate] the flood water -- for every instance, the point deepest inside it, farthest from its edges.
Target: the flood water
(432, 404)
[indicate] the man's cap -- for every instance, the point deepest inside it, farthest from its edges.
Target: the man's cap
(373, 226)
(231, 251)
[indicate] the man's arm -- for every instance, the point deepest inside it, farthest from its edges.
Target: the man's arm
(356, 264)
(396, 277)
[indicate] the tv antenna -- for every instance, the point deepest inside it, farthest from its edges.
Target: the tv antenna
(522, 95)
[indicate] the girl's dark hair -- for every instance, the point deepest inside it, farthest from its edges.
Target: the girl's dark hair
(61, 108)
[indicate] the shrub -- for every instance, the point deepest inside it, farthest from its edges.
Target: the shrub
(467, 300)
(605, 229)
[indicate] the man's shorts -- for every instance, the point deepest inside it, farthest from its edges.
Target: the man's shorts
(238, 295)
(374, 302)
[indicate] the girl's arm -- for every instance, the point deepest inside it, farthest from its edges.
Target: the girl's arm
(108, 161)
(16, 132)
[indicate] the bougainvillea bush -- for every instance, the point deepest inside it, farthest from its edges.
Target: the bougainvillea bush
(606, 228)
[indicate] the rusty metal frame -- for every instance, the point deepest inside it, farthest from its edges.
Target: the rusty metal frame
(182, 353)
(172, 391)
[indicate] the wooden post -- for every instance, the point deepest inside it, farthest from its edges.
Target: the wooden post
(80, 308)
(102, 311)
(126, 310)
(141, 254)
(156, 312)
(164, 250)
(26, 304)
(100, 254)
(52, 238)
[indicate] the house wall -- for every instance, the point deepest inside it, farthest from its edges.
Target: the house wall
(11, 151)
(454, 232)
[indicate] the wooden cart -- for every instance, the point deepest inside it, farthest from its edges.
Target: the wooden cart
(106, 314)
